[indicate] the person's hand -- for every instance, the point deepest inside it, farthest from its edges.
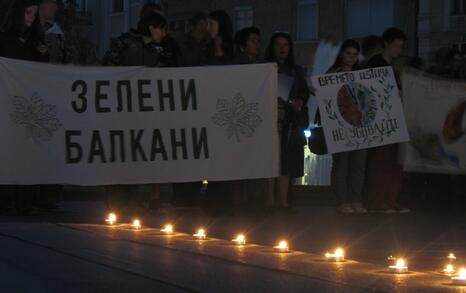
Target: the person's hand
(297, 104)
(42, 49)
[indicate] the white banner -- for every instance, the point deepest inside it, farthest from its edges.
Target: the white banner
(360, 109)
(135, 125)
(435, 111)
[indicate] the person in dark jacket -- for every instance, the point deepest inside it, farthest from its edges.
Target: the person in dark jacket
(384, 174)
(248, 43)
(193, 44)
(21, 36)
(193, 49)
(348, 168)
(371, 45)
(292, 119)
(247, 51)
(54, 35)
(142, 46)
(220, 50)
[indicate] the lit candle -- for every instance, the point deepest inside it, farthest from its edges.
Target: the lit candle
(282, 247)
(136, 224)
(338, 255)
(451, 257)
(200, 235)
(449, 269)
(168, 229)
(400, 266)
(240, 240)
(111, 219)
(461, 278)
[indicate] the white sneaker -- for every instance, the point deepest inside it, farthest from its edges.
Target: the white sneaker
(346, 209)
(359, 209)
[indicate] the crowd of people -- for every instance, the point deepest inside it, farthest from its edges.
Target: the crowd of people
(31, 33)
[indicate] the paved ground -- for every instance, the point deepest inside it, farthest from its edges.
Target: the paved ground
(70, 251)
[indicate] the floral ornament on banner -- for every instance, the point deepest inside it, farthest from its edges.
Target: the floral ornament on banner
(385, 98)
(385, 105)
(239, 118)
(38, 118)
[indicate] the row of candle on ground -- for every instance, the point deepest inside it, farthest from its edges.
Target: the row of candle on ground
(399, 265)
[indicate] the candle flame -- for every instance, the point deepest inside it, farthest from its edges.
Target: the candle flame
(462, 273)
(449, 269)
(338, 254)
(282, 246)
(451, 256)
(168, 229)
(400, 263)
(240, 239)
(399, 266)
(137, 224)
(111, 218)
(200, 234)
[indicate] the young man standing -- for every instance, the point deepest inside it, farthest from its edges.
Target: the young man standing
(384, 174)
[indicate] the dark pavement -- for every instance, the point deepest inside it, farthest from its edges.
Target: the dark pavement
(71, 251)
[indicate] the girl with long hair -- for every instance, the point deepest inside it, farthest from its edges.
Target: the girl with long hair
(292, 120)
(349, 168)
(21, 36)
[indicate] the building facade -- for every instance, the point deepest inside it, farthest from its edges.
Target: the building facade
(309, 21)
(109, 18)
(429, 24)
(441, 23)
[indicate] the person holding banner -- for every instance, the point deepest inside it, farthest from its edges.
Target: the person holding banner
(141, 47)
(21, 38)
(292, 120)
(219, 51)
(54, 35)
(384, 174)
(247, 51)
(349, 168)
(248, 46)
